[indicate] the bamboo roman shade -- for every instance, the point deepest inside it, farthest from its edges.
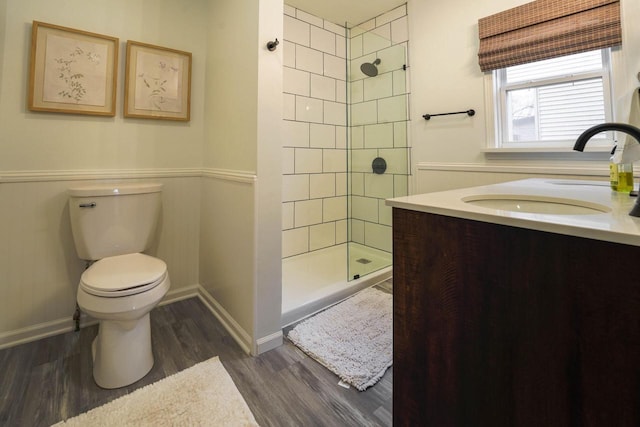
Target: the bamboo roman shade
(546, 29)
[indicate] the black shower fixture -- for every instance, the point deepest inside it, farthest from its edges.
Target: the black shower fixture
(369, 68)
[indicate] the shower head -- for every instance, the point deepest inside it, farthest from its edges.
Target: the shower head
(369, 68)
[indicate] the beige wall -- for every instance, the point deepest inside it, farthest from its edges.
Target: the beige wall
(445, 77)
(232, 82)
(240, 222)
(268, 211)
(42, 154)
(199, 162)
(53, 142)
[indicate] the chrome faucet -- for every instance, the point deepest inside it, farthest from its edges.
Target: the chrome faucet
(620, 127)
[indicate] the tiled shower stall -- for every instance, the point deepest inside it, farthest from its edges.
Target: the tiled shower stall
(315, 134)
(337, 121)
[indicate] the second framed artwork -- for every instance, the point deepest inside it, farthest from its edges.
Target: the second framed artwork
(157, 83)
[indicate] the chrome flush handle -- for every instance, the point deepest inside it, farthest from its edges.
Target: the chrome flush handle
(87, 205)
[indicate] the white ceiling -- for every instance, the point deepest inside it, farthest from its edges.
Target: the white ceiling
(351, 11)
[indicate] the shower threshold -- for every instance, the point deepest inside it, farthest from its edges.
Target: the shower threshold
(316, 280)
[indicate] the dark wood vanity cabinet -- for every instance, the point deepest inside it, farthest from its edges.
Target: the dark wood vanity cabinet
(504, 326)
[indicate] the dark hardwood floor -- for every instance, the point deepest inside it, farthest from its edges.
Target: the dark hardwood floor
(49, 380)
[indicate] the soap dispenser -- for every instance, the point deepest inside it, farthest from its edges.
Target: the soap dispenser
(620, 174)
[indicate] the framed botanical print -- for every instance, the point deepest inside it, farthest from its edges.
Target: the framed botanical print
(72, 71)
(157, 82)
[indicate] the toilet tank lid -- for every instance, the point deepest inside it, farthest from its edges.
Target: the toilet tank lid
(111, 189)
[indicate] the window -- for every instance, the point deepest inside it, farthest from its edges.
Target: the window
(547, 104)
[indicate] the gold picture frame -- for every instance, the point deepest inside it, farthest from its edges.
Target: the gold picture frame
(72, 71)
(157, 83)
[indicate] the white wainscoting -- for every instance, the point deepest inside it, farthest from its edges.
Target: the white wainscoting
(227, 250)
(39, 268)
(431, 177)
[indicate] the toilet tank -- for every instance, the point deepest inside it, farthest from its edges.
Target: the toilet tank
(113, 219)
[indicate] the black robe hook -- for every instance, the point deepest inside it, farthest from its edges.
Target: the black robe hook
(272, 45)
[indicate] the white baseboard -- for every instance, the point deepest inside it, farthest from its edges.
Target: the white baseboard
(235, 330)
(35, 332)
(180, 294)
(66, 324)
(269, 342)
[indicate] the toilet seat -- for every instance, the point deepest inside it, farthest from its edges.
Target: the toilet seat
(123, 275)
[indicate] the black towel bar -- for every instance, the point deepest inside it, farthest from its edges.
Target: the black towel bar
(469, 112)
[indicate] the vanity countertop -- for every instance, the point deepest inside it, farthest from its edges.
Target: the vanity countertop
(614, 225)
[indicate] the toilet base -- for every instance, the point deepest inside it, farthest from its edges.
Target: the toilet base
(122, 352)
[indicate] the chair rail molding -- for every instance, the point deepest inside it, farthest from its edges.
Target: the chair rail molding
(584, 170)
(95, 174)
(248, 177)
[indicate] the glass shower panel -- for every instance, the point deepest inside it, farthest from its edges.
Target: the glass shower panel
(377, 146)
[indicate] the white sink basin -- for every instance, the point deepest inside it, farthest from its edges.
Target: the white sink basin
(536, 204)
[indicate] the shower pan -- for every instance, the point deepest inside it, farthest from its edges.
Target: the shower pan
(377, 168)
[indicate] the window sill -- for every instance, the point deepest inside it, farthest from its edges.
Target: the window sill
(596, 153)
(588, 149)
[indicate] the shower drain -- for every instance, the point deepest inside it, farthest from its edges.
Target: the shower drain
(363, 261)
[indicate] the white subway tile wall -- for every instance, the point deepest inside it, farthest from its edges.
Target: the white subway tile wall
(317, 78)
(391, 16)
(296, 82)
(379, 116)
(334, 113)
(399, 30)
(289, 10)
(287, 215)
(341, 137)
(295, 187)
(377, 88)
(314, 209)
(334, 66)
(295, 241)
(308, 59)
(297, 31)
(322, 185)
(295, 134)
(376, 39)
(288, 161)
(322, 236)
(323, 87)
(392, 109)
(309, 109)
(307, 212)
(289, 106)
(308, 160)
(341, 231)
(335, 208)
(323, 40)
(322, 136)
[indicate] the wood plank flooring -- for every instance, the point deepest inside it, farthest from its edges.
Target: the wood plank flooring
(49, 380)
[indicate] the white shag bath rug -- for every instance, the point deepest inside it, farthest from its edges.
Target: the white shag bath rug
(353, 339)
(203, 395)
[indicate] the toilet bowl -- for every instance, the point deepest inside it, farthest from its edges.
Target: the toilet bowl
(112, 225)
(120, 291)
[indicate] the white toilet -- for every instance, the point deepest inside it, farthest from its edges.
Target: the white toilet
(112, 225)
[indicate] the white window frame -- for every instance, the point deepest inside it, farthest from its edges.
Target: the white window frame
(496, 107)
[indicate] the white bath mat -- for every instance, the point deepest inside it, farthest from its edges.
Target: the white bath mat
(353, 339)
(203, 395)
